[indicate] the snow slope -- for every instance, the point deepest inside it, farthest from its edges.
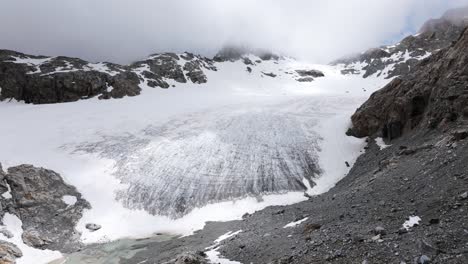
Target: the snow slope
(215, 151)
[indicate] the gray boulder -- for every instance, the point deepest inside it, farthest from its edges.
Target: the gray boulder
(93, 227)
(189, 258)
(310, 73)
(194, 72)
(305, 79)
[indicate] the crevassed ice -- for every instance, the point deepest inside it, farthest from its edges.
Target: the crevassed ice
(212, 156)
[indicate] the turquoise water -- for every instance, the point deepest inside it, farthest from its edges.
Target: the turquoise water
(110, 253)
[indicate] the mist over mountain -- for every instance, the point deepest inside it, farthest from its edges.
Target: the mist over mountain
(242, 149)
(122, 32)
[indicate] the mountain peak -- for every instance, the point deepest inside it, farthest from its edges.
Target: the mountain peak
(236, 52)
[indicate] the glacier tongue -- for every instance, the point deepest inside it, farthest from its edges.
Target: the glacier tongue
(205, 152)
(215, 155)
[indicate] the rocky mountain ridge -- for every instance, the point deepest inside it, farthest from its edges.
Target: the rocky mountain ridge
(40, 79)
(399, 59)
(434, 95)
(44, 80)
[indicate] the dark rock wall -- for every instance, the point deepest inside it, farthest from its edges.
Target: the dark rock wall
(37, 199)
(434, 95)
(63, 79)
(436, 34)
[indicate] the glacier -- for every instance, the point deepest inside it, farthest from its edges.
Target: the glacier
(170, 160)
(215, 155)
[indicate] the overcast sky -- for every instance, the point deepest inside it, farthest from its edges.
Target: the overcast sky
(123, 31)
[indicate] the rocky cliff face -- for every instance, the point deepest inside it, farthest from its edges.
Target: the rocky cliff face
(399, 59)
(433, 95)
(45, 80)
(48, 208)
(40, 79)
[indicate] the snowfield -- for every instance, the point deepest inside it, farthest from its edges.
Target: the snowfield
(169, 160)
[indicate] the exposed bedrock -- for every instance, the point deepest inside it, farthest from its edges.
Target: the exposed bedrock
(434, 95)
(48, 208)
(234, 53)
(401, 58)
(42, 80)
(9, 252)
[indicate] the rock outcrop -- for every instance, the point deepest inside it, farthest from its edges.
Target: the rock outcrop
(189, 258)
(433, 95)
(234, 53)
(38, 198)
(399, 59)
(9, 253)
(308, 75)
(42, 80)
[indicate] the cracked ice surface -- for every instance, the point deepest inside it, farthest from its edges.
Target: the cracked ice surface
(213, 156)
(238, 128)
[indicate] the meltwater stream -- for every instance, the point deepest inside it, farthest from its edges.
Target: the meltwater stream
(170, 168)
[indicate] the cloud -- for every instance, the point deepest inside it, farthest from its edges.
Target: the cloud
(124, 30)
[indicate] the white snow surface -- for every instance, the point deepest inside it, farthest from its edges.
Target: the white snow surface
(120, 152)
(7, 194)
(70, 200)
(226, 236)
(381, 143)
(69, 67)
(30, 255)
(214, 256)
(411, 222)
(294, 224)
(31, 62)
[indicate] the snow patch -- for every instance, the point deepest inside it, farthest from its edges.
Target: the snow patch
(380, 142)
(70, 200)
(411, 222)
(143, 80)
(294, 224)
(101, 67)
(30, 255)
(226, 236)
(7, 194)
(214, 256)
(31, 62)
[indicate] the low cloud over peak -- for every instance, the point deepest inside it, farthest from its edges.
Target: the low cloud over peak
(123, 31)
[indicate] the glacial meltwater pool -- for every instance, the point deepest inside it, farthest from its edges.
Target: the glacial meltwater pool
(111, 252)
